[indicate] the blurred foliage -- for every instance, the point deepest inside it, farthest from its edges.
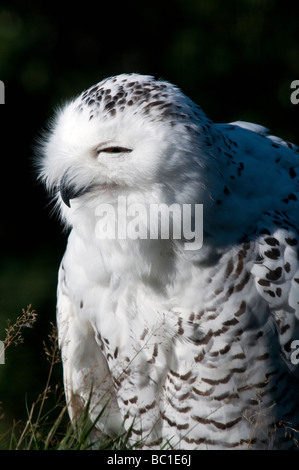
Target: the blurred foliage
(236, 58)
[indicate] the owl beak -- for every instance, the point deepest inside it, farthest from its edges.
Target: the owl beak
(68, 190)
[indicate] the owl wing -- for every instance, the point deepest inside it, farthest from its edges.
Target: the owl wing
(276, 274)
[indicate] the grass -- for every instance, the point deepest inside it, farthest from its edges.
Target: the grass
(48, 426)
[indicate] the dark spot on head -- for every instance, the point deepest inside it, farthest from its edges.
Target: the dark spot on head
(110, 105)
(191, 317)
(180, 328)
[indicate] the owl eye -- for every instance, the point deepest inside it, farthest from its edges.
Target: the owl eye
(115, 150)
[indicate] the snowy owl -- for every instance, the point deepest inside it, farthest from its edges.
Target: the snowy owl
(187, 347)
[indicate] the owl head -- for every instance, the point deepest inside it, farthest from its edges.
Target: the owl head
(127, 135)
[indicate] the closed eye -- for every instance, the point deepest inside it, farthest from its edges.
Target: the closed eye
(114, 150)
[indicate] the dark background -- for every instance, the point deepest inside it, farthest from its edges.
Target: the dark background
(235, 58)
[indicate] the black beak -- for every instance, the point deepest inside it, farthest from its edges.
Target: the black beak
(69, 191)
